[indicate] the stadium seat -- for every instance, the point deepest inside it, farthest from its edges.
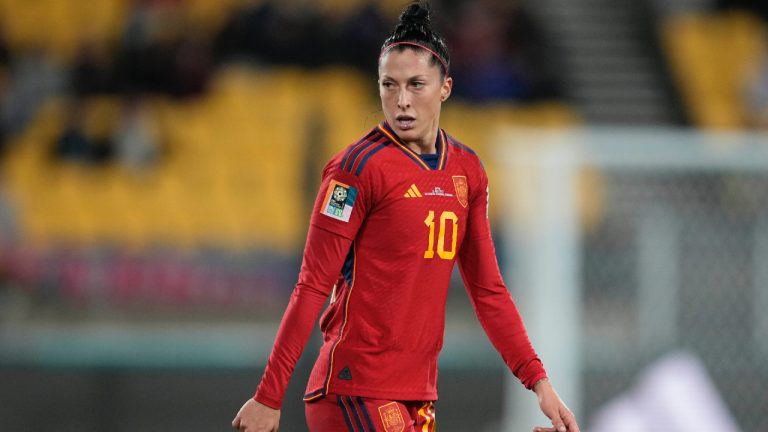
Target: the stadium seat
(66, 23)
(711, 56)
(345, 105)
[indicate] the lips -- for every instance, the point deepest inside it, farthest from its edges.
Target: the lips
(405, 122)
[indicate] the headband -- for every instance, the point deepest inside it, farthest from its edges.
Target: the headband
(390, 46)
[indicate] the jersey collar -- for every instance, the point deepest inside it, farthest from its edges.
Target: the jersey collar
(440, 144)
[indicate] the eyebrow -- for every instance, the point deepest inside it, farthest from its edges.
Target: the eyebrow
(420, 76)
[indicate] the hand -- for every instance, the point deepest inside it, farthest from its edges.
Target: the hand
(256, 417)
(553, 407)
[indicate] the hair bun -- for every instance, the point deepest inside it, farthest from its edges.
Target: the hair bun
(416, 14)
(415, 28)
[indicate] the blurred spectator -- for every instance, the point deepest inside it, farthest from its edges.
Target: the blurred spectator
(241, 34)
(5, 54)
(136, 137)
(280, 32)
(360, 34)
(140, 59)
(93, 71)
(296, 34)
(5, 61)
(192, 66)
(757, 93)
(74, 144)
(34, 77)
(160, 53)
(758, 7)
(9, 225)
(499, 53)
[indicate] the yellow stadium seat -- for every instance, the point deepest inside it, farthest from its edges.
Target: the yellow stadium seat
(711, 56)
(66, 23)
(209, 16)
(346, 105)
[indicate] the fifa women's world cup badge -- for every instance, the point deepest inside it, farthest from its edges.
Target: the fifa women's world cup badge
(462, 190)
(338, 197)
(391, 417)
(339, 201)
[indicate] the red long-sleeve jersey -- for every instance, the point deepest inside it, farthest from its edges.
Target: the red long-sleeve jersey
(385, 232)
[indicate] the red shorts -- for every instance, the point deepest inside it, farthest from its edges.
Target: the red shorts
(335, 413)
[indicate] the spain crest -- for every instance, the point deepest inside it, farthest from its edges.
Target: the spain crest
(462, 190)
(391, 417)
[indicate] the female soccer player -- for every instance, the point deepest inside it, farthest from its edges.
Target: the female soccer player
(394, 212)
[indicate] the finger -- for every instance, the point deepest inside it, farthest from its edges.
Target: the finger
(570, 422)
(236, 422)
(558, 423)
(544, 429)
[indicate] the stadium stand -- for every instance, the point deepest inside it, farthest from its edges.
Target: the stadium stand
(221, 194)
(223, 179)
(711, 56)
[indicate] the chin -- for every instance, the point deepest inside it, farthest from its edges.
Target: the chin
(409, 135)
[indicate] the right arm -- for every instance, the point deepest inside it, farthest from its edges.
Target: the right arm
(324, 255)
(328, 242)
(323, 251)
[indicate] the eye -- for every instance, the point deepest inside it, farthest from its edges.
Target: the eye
(386, 84)
(417, 84)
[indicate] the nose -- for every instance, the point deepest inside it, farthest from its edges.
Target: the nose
(403, 100)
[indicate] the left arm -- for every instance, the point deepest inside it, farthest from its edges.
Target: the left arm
(493, 304)
(498, 314)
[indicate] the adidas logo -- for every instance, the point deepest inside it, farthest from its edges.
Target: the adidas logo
(345, 374)
(413, 192)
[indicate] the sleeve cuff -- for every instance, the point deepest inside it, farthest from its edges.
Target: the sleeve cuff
(533, 381)
(272, 403)
(531, 373)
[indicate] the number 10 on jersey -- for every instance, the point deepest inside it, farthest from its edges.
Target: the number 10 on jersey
(444, 218)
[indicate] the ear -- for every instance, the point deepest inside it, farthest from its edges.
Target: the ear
(445, 89)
